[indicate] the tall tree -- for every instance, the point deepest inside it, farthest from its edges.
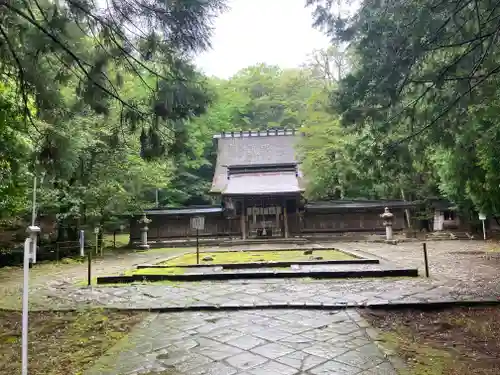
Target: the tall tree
(425, 86)
(107, 90)
(330, 64)
(257, 97)
(44, 44)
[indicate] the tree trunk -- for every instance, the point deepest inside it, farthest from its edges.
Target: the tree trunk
(407, 211)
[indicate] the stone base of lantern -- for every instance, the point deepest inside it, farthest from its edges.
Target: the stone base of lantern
(144, 239)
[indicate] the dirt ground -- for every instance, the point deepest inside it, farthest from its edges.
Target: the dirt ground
(459, 341)
(61, 343)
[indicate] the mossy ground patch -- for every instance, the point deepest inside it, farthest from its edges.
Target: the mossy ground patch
(458, 341)
(221, 257)
(62, 343)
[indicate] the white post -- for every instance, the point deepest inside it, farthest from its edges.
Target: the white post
(24, 349)
(29, 246)
(82, 243)
(482, 217)
(96, 232)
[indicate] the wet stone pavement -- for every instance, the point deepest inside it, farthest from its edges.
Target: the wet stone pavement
(270, 292)
(457, 273)
(305, 338)
(257, 342)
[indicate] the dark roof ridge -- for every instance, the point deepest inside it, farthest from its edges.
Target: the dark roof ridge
(258, 133)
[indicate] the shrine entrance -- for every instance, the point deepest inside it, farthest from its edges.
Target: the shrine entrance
(263, 216)
(264, 220)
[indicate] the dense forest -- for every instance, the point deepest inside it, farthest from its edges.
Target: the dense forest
(102, 103)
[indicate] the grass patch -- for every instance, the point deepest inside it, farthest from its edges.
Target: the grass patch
(62, 343)
(122, 240)
(460, 341)
(256, 256)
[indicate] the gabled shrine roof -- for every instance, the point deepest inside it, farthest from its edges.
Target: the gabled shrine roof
(252, 148)
(267, 183)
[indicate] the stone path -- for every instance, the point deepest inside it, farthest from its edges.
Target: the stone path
(258, 341)
(457, 273)
(255, 293)
(448, 260)
(270, 342)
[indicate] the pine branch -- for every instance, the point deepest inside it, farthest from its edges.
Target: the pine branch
(20, 70)
(112, 29)
(77, 60)
(448, 107)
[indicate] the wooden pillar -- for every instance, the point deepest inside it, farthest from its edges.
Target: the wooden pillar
(285, 220)
(277, 218)
(243, 220)
(297, 219)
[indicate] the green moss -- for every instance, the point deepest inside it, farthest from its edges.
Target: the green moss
(256, 256)
(63, 342)
(421, 359)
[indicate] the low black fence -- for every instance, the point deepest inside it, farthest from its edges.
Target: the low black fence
(45, 252)
(56, 251)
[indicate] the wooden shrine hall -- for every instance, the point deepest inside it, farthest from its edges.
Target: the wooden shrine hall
(259, 181)
(259, 184)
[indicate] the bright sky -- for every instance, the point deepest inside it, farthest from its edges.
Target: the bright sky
(261, 31)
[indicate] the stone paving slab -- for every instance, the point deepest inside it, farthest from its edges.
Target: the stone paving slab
(270, 292)
(259, 342)
(457, 274)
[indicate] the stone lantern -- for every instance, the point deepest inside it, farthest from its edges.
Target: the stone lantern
(388, 217)
(144, 231)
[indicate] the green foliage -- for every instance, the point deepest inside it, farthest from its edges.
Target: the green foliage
(257, 97)
(419, 108)
(14, 154)
(101, 96)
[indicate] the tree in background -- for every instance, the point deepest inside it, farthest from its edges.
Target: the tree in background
(422, 97)
(330, 64)
(258, 97)
(99, 94)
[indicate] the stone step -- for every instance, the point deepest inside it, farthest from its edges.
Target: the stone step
(452, 236)
(341, 271)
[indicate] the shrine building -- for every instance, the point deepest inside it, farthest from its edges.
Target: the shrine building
(259, 186)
